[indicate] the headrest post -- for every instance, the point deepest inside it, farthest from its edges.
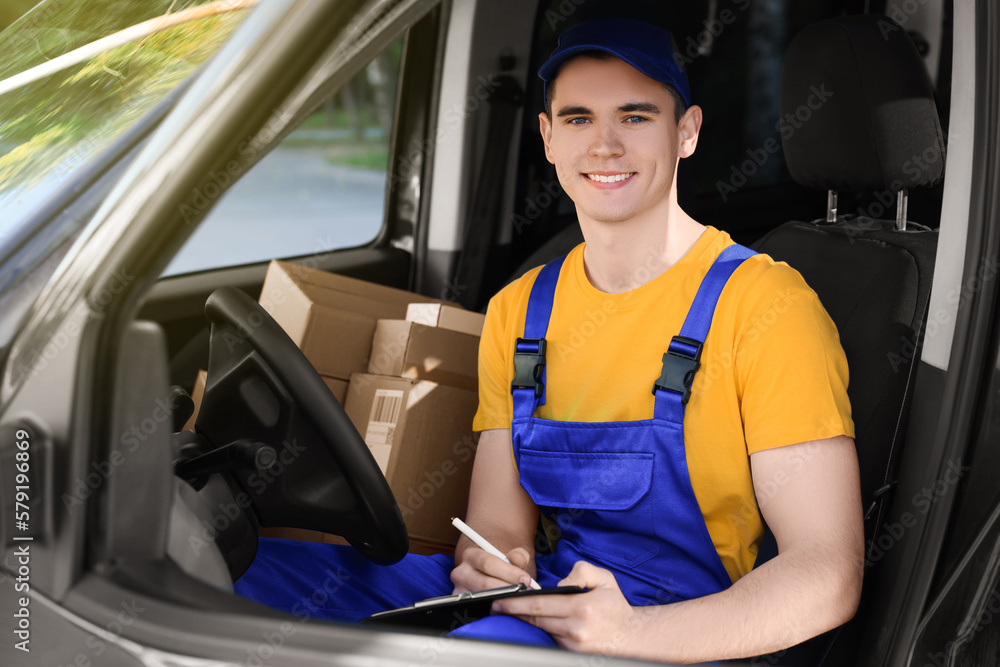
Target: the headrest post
(901, 199)
(831, 206)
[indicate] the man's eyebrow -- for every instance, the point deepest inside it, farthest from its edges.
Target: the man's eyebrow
(631, 107)
(574, 111)
(644, 107)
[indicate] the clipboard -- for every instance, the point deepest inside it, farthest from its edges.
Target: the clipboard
(448, 612)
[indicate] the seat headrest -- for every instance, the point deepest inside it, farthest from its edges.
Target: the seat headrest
(857, 109)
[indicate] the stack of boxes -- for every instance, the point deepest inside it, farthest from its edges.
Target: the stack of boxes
(404, 367)
(414, 408)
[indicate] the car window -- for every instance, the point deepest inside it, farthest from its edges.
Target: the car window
(76, 76)
(323, 188)
(80, 83)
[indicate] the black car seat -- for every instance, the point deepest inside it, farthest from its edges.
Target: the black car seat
(877, 131)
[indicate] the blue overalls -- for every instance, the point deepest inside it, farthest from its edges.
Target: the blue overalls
(620, 491)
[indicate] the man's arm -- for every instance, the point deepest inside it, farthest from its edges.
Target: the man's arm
(502, 512)
(810, 496)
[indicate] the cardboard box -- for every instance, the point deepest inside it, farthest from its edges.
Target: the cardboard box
(420, 432)
(446, 317)
(417, 351)
(428, 548)
(331, 317)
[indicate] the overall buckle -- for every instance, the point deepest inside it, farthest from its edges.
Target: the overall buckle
(529, 362)
(680, 362)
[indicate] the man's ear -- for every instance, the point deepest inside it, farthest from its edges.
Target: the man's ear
(688, 129)
(545, 127)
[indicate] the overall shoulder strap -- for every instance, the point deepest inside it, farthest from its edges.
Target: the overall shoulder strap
(683, 357)
(528, 387)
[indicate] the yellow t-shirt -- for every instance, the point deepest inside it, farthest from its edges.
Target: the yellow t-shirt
(772, 372)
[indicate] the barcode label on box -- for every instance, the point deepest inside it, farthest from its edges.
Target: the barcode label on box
(385, 407)
(384, 416)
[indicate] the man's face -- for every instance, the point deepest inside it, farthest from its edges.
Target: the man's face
(613, 139)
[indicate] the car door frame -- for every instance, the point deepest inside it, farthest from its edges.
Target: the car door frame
(951, 378)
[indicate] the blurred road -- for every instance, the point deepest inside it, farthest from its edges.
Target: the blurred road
(292, 203)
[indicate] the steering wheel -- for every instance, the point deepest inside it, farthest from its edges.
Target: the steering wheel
(270, 427)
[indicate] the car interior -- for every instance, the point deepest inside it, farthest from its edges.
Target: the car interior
(823, 145)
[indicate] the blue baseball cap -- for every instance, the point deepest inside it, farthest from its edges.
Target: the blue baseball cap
(646, 47)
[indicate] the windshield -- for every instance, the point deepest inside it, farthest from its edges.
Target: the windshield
(76, 75)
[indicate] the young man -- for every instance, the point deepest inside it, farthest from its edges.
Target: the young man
(652, 467)
(655, 492)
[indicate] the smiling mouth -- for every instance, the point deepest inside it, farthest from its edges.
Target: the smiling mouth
(613, 178)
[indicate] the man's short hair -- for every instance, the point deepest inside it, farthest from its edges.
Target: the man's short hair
(679, 106)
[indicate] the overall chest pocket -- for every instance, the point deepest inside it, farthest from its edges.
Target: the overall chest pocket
(602, 501)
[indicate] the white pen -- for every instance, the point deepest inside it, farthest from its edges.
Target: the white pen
(484, 545)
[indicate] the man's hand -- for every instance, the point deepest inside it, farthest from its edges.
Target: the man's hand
(479, 570)
(598, 621)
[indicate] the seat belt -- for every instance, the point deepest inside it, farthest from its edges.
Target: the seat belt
(505, 103)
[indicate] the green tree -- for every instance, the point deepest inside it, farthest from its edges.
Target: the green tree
(63, 119)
